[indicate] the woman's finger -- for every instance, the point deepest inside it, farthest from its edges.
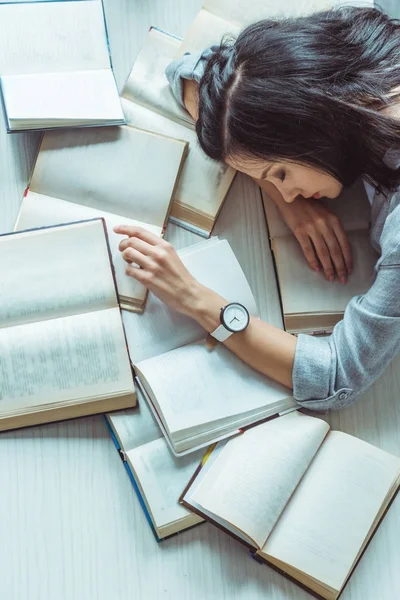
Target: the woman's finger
(137, 244)
(323, 254)
(308, 251)
(344, 245)
(138, 232)
(336, 255)
(130, 255)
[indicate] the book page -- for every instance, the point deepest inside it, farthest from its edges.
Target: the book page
(255, 474)
(162, 478)
(55, 272)
(61, 99)
(134, 426)
(208, 387)
(219, 18)
(50, 37)
(38, 210)
(243, 13)
(330, 514)
(61, 361)
(203, 182)
(160, 329)
(207, 30)
(121, 170)
(147, 84)
(305, 291)
(352, 208)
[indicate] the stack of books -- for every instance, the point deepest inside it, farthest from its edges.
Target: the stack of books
(213, 440)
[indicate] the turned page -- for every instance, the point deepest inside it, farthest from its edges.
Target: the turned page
(305, 291)
(55, 272)
(161, 478)
(38, 210)
(148, 104)
(160, 329)
(331, 514)
(147, 84)
(195, 389)
(203, 182)
(63, 361)
(121, 170)
(134, 427)
(253, 477)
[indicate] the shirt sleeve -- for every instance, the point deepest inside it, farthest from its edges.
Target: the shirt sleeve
(330, 373)
(188, 66)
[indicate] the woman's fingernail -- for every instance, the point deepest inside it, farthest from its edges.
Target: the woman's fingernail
(317, 269)
(331, 278)
(343, 280)
(349, 271)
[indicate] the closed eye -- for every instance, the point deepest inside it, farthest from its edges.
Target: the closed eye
(281, 175)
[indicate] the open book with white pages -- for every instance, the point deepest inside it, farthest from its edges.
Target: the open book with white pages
(311, 303)
(157, 476)
(149, 104)
(304, 499)
(62, 344)
(197, 395)
(123, 174)
(55, 65)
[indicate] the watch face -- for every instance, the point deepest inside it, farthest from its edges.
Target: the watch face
(235, 317)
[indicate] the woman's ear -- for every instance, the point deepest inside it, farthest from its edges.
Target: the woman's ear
(191, 97)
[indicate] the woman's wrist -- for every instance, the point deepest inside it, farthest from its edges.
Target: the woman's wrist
(204, 306)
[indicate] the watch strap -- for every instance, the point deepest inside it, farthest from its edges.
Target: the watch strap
(221, 333)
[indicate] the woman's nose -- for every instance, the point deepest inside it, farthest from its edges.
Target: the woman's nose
(289, 196)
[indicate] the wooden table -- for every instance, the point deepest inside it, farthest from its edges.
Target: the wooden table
(71, 527)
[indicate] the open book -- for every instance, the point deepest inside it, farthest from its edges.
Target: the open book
(157, 475)
(120, 173)
(149, 104)
(310, 303)
(217, 18)
(307, 500)
(55, 66)
(62, 344)
(199, 396)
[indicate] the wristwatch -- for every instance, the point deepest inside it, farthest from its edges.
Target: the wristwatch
(234, 318)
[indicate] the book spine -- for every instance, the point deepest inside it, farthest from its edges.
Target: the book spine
(131, 477)
(140, 497)
(189, 227)
(106, 35)
(171, 35)
(113, 436)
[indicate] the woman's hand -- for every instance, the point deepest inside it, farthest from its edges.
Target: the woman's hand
(163, 273)
(321, 237)
(319, 232)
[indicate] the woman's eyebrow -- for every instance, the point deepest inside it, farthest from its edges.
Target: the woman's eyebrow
(265, 172)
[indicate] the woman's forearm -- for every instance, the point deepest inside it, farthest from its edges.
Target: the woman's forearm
(262, 346)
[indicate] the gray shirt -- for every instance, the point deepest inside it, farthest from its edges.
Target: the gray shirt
(330, 373)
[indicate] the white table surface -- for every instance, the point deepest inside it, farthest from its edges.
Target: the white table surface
(71, 527)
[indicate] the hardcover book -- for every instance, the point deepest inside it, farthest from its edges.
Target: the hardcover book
(55, 67)
(62, 343)
(304, 499)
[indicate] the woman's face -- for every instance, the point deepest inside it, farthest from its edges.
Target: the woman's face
(290, 178)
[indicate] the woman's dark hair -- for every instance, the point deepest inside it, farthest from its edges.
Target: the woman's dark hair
(307, 90)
